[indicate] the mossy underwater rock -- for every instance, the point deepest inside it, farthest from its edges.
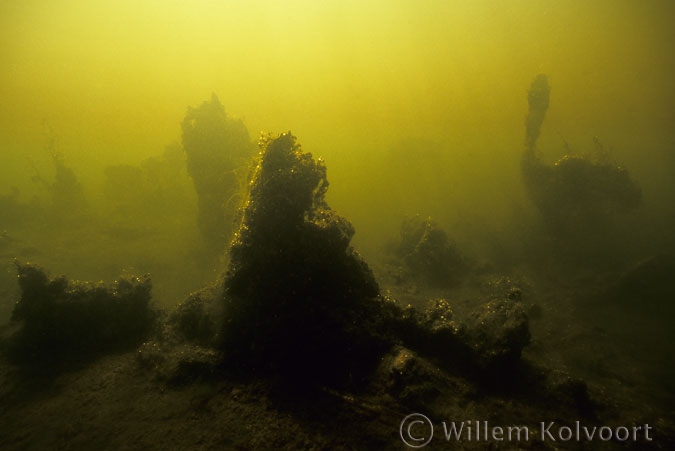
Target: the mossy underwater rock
(583, 201)
(199, 318)
(496, 332)
(60, 321)
(300, 303)
(217, 149)
(428, 253)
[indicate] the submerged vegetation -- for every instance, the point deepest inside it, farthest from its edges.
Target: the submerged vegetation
(60, 322)
(298, 309)
(428, 254)
(299, 301)
(155, 191)
(477, 227)
(583, 202)
(218, 150)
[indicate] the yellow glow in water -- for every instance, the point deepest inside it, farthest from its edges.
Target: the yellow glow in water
(114, 79)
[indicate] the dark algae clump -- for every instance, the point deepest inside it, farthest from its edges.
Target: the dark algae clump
(298, 334)
(299, 300)
(218, 149)
(472, 221)
(428, 253)
(538, 98)
(301, 304)
(62, 322)
(582, 201)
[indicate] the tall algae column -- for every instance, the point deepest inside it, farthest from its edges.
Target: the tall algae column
(537, 99)
(218, 149)
(300, 303)
(301, 307)
(582, 201)
(537, 177)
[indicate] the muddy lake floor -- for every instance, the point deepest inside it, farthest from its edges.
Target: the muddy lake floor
(620, 355)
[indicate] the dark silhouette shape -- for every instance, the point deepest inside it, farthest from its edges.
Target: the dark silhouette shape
(580, 200)
(217, 148)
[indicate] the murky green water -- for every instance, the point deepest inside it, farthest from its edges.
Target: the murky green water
(475, 146)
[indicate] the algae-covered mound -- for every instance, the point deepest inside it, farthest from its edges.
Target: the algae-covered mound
(428, 253)
(61, 321)
(299, 301)
(301, 304)
(582, 200)
(217, 147)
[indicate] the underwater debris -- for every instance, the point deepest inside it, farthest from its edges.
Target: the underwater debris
(428, 253)
(67, 193)
(185, 348)
(64, 321)
(301, 304)
(538, 101)
(581, 201)
(497, 332)
(178, 363)
(412, 380)
(66, 205)
(157, 190)
(217, 147)
(68, 200)
(491, 338)
(198, 318)
(299, 300)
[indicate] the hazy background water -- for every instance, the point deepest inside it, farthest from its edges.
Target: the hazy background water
(416, 107)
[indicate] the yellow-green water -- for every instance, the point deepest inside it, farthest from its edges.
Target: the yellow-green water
(416, 106)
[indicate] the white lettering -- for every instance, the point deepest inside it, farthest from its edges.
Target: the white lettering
(453, 431)
(625, 437)
(545, 431)
(568, 433)
(589, 437)
(605, 428)
(518, 429)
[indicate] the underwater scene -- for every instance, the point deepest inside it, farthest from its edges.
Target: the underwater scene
(230, 225)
